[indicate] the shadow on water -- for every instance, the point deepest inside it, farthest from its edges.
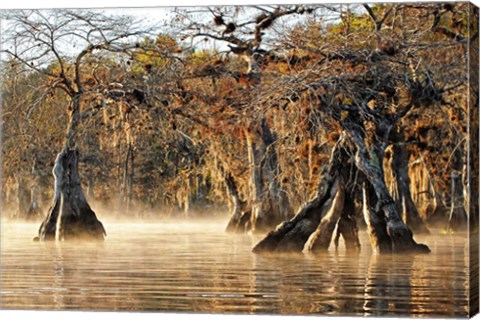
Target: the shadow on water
(197, 267)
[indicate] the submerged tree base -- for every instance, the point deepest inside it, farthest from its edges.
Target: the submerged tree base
(240, 223)
(70, 216)
(312, 227)
(292, 235)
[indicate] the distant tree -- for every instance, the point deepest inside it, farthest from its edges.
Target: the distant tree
(60, 45)
(23, 140)
(242, 32)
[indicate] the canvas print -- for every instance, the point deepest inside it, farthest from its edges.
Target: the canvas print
(306, 159)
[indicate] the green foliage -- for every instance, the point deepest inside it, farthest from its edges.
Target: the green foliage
(356, 23)
(201, 57)
(153, 54)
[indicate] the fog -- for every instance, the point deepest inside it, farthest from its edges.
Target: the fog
(192, 265)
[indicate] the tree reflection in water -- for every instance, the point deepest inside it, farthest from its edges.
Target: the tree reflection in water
(197, 267)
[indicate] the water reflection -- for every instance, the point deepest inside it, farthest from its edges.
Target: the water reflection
(196, 267)
(387, 286)
(66, 270)
(59, 271)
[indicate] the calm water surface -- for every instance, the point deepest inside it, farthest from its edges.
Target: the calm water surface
(197, 267)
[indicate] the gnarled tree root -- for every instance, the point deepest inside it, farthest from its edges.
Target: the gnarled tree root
(321, 238)
(402, 239)
(291, 235)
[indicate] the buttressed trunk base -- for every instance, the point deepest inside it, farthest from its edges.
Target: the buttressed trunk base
(312, 227)
(70, 216)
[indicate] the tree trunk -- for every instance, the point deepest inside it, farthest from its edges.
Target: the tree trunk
(279, 203)
(385, 227)
(256, 186)
(292, 235)
(131, 176)
(376, 225)
(321, 238)
(128, 174)
(370, 162)
(439, 213)
(278, 197)
(129, 169)
(425, 195)
(23, 198)
(270, 202)
(9, 199)
(188, 191)
(404, 197)
(34, 210)
(347, 226)
(240, 214)
(458, 217)
(70, 216)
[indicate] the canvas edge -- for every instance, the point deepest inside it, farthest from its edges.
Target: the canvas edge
(472, 160)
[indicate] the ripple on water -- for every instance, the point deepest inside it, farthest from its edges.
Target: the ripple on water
(196, 266)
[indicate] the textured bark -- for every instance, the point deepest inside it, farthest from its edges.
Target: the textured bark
(387, 231)
(347, 226)
(279, 203)
(321, 238)
(240, 214)
(376, 225)
(291, 235)
(399, 233)
(237, 203)
(128, 174)
(404, 197)
(34, 210)
(70, 216)
(270, 204)
(256, 186)
(425, 196)
(458, 217)
(129, 162)
(369, 159)
(22, 198)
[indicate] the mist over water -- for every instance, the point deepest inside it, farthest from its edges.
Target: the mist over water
(194, 266)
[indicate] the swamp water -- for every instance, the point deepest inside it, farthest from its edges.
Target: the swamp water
(194, 266)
